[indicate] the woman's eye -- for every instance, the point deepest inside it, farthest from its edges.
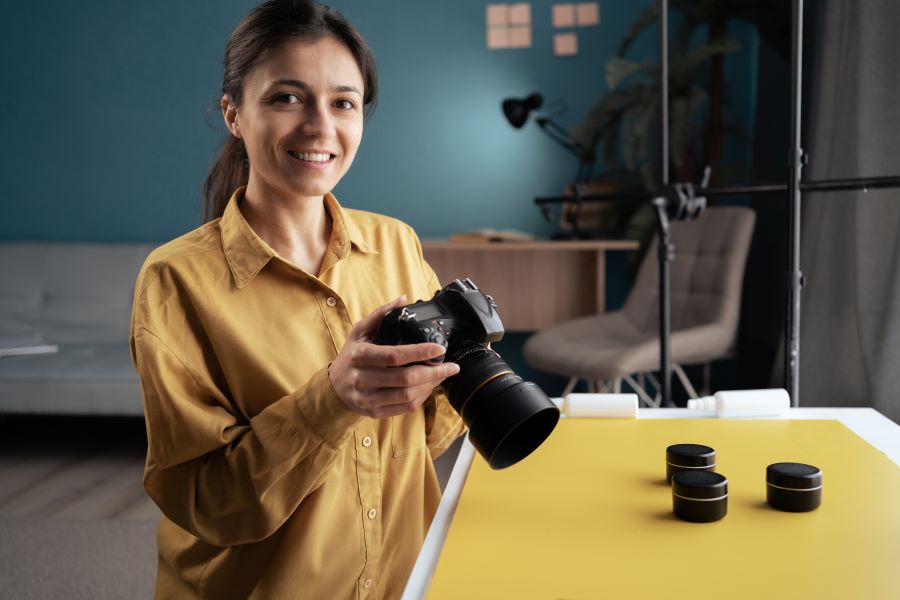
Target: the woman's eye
(288, 98)
(345, 104)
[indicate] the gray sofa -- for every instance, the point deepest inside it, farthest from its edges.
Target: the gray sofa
(77, 297)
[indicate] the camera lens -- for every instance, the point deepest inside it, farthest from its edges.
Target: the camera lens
(508, 418)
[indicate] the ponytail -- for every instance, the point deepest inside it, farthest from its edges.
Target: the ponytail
(230, 171)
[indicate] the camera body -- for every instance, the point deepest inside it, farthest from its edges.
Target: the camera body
(508, 418)
(459, 312)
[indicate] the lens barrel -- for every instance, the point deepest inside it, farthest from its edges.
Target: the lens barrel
(508, 418)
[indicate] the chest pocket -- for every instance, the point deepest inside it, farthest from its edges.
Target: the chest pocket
(408, 433)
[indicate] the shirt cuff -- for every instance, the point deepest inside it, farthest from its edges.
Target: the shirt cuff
(325, 414)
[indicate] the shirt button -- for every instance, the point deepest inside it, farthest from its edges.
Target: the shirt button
(372, 513)
(330, 301)
(367, 583)
(366, 442)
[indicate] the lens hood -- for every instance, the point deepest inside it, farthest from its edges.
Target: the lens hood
(513, 425)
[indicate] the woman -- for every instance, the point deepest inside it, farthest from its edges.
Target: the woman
(291, 457)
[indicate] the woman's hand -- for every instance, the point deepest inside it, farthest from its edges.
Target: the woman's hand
(379, 381)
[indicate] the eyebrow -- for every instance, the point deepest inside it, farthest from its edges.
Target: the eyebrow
(305, 86)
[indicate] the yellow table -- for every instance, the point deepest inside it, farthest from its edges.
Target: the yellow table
(589, 515)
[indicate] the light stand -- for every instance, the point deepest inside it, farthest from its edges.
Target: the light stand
(683, 194)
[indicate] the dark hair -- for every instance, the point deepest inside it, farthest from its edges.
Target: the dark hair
(266, 27)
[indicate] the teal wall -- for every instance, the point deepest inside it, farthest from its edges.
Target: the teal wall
(109, 119)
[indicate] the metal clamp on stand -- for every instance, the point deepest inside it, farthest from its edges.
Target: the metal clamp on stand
(680, 203)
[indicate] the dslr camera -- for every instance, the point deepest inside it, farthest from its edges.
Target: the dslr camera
(508, 418)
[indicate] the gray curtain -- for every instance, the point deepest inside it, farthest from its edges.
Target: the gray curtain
(850, 320)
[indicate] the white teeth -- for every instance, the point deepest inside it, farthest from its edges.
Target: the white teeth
(311, 156)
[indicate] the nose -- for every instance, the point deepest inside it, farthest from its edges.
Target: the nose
(318, 121)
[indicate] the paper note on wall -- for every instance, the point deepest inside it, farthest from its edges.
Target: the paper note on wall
(565, 44)
(588, 13)
(563, 15)
(508, 25)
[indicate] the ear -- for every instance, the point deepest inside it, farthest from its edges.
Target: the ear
(230, 114)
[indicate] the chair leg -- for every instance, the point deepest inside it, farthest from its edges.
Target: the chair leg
(617, 385)
(682, 376)
(706, 386)
(642, 394)
(570, 386)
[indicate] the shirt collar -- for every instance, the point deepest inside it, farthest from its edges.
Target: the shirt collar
(247, 253)
(345, 231)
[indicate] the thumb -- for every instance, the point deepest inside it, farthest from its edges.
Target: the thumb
(365, 327)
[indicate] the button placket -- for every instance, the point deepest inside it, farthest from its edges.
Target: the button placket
(369, 478)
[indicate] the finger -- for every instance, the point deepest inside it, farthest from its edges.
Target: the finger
(374, 378)
(373, 355)
(390, 402)
(365, 327)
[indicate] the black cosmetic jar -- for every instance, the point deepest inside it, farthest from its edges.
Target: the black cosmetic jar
(689, 457)
(699, 496)
(794, 487)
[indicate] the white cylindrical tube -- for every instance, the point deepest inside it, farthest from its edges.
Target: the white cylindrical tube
(744, 403)
(614, 406)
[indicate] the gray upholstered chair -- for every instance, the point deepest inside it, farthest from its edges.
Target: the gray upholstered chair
(706, 281)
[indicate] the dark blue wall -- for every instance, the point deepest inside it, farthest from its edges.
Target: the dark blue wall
(107, 130)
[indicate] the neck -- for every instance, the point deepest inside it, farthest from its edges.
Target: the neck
(298, 229)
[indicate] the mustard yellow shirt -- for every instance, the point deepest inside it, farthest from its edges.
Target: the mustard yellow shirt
(269, 486)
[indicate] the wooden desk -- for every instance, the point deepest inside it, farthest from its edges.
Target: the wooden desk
(535, 284)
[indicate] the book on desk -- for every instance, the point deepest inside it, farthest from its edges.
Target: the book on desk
(492, 235)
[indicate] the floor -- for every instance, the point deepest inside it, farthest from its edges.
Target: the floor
(73, 468)
(75, 521)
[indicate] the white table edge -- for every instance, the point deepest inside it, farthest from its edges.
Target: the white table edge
(869, 424)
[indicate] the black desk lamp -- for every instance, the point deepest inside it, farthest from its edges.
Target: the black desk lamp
(517, 111)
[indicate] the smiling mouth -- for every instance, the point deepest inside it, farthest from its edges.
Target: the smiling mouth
(313, 157)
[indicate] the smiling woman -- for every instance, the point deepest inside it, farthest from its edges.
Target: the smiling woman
(290, 456)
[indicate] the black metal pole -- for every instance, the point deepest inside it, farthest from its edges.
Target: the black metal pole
(824, 185)
(795, 277)
(666, 250)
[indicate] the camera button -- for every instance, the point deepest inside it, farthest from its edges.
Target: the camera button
(437, 338)
(366, 442)
(330, 301)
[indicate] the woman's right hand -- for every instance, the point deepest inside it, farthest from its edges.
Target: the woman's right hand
(380, 381)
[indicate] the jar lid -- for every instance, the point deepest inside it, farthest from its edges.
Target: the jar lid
(794, 476)
(690, 455)
(699, 485)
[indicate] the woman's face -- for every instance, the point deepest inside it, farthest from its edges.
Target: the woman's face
(301, 118)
